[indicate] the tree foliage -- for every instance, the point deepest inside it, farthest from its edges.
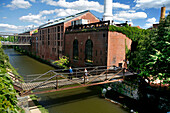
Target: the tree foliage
(150, 50)
(157, 66)
(62, 62)
(140, 42)
(8, 100)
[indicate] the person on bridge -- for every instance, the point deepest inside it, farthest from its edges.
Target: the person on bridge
(85, 74)
(71, 73)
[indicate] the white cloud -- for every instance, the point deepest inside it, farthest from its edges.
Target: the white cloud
(60, 12)
(19, 4)
(129, 15)
(38, 19)
(145, 4)
(4, 17)
(76, 5)
(66, 12)
(14, 28)
(118, 5)
(9, 28)
(83, 5)
(150, 22)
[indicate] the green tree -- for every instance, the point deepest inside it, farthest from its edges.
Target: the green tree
(62, 62)
(157, 65)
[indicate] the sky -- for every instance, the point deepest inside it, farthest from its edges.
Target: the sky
(17, 16)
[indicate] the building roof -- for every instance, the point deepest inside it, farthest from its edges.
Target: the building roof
(62, 20)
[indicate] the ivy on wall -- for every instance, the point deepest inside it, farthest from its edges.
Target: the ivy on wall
(140, 42)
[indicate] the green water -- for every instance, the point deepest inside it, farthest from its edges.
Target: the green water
(81, 100)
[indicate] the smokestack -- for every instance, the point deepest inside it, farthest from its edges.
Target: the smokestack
(163, 9)
(107, 10)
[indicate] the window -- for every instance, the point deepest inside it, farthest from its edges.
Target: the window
(55, 29)
(104, 35)
(75, 49)
(89, 51)
(48, 37)
(58, 36)
(100, 52)
(61, 36)
(96, 52)
(58, 28)
(58, 43)
(62, 28)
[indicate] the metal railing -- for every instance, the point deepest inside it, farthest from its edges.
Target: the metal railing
(59, 79)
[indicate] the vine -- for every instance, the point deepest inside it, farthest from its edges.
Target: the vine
(8, 100)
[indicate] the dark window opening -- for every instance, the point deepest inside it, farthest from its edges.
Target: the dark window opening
(58, 43)
(48, 37)
(61, 36)
(89, 51)
(104, 35)
(58, 28)
(100, 52)
(58, 36)
(75, 50)
(62, 28)
(96, 52)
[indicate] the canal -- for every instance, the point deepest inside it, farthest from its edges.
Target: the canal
(81, 100)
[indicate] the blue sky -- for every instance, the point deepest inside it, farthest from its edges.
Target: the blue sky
(19, 15)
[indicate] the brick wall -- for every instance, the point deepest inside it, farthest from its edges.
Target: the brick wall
(116, 48)
(99, 40)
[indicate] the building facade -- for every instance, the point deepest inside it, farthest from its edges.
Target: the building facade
(93, 44)
(82, 37)
(51, 36)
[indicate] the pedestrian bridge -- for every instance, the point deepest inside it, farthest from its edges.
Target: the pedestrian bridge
(57, 80)
(15, 39)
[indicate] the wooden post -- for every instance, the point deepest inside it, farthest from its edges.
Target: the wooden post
(84, 79)
(123, 73)
(76, 73)
(106, 74)
(56, 82)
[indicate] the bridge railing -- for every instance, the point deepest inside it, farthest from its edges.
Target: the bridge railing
(17, 80)
(77, 72)
(59, 79)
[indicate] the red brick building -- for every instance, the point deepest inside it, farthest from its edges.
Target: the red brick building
(51, 35)
(94, 44)
(83, 38)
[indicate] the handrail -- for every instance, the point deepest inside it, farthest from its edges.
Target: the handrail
(39, 84)
(14, 76)
(40, 76)
(60, 71)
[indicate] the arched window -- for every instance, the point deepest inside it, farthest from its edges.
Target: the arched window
(89, 51)
(75, 50)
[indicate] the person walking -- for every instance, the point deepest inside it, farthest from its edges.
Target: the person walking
(71, 73)
(86, 74)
